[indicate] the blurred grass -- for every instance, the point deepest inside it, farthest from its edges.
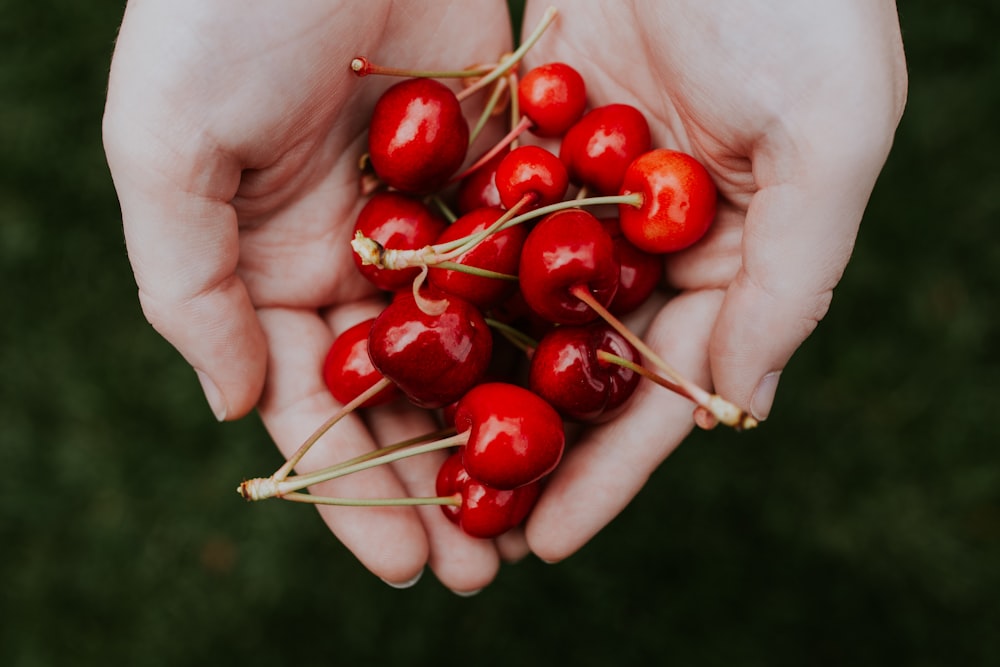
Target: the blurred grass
(860, 526)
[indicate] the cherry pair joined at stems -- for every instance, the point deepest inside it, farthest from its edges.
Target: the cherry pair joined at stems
(509, 440)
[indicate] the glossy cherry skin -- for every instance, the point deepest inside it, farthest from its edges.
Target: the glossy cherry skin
(417, 137)
(531, 171)
(485, 511)
(553, 96)
(433, 359)
(600, 146)
(641, 272)
(566, 249)
(400, 222)
(348, 370)
(678, 201)
(479, 189)
(566, 371)
(515, 437)
(500, 252)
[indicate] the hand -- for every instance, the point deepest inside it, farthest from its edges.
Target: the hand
(233, 130)
(792, 107)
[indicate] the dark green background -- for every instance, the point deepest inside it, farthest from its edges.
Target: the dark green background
(861, 526)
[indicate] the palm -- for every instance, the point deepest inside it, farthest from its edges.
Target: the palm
(257, 127)
(779, 107)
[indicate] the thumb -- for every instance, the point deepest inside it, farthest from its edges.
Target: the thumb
(797, 240)
(182, 240)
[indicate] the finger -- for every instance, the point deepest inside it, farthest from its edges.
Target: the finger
(461, 563)
(182, 241)
(800, 230)
(513, 545)
(601, 473)
(389, 541)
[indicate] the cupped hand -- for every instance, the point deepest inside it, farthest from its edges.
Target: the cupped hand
(232, 131)
(792, 107)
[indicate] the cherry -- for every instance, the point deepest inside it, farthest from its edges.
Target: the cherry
(678, 201)
(553, 96)
(569, 371)
(499, 252)
(348, 370)
(484, 511)
(599, 147)
(531, 171)
(566, 249)
(640, 273)
(433, 358)
(515, 436)
(396, 221)
(418, 136)
(478, 189)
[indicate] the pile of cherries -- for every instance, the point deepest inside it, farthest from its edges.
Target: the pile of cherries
(499, 264)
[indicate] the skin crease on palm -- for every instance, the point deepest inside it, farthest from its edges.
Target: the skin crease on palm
(233, 131)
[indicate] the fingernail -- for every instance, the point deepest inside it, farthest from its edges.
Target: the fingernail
(763, 396)
(409, 583)
(212, 394)
(467, 594)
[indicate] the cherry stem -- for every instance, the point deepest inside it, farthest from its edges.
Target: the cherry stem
(372, 252)
(511, 61)
(720, 408)
(361, 66)
(454, 500)
(445, 252)
(508, 138)
(515, 105)
(488, 109)
(285, 470)
(427, 305)
(643, 371)
(518, 338)
(446, 211)
(262, 488)
(475, 271)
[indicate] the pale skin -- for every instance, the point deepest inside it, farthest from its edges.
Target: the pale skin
(233, 130)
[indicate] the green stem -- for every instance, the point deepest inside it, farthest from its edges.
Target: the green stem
(347, 409)
(454, 500)
(475, 271)
(518, 338)
(261, 488)
(511, 61)
(487, 112)
(446, 211)
(515, 105)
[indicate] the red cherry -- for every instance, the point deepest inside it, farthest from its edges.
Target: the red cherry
(485, 511)
(600, 146)
(531, 171)
(515, 437)
(348, 370)
(399, 222)
(566, 249)
(433, 358)
(499, 252)
(417, 137)
(553, 96)
(641, 272)
(479, 189)
(678, 201)
(567, 372)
